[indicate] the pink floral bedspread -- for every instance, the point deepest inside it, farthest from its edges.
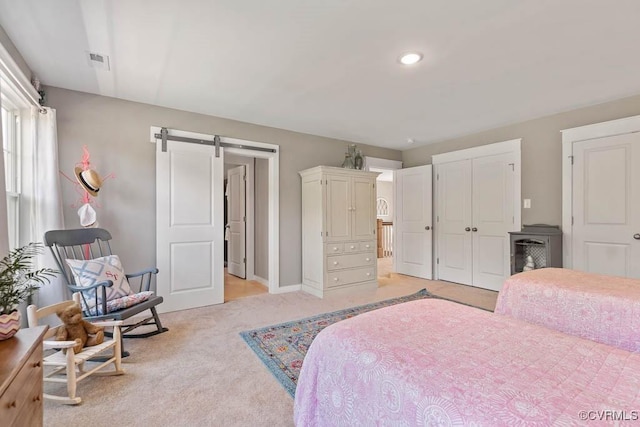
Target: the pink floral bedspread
(435, 362)
(600, 308)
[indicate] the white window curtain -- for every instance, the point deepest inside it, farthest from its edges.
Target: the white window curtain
(4, 233)
(42, 194)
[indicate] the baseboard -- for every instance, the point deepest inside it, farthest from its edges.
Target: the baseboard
(261, 280)
(285, 289)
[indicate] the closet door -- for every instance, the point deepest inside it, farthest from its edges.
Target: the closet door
(493, 217)
(606, 202)
(338, 208)
(454, 222)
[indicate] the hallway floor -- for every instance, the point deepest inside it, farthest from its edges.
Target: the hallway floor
(235, 287)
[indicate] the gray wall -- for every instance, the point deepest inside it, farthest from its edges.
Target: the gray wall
(6, 42)
(117, 134)
(261, 249)
(541, 152)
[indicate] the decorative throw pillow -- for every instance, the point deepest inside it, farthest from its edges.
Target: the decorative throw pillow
(89, 272)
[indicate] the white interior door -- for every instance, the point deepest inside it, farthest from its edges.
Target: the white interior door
(454, 222)
(606, 205)
(237, 221)
(493, 208)
(413, 222)
(189, 226)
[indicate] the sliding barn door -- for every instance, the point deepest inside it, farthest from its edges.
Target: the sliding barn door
(189, 225)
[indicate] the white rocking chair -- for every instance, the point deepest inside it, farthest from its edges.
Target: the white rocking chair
(62, 367)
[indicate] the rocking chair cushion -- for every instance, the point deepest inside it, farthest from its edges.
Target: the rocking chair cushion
(126, 301)
(89, 272)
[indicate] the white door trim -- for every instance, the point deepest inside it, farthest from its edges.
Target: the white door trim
(569, 137)
(378, 163)
(510, 146)
(274, 192)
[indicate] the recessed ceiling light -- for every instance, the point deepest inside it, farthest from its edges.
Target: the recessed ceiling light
(410, 58)
(410, 141)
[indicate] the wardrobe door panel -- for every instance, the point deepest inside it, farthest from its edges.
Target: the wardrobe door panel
(363, 208)
(338, 208)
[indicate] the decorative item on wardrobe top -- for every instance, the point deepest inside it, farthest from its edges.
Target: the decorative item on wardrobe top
(353, 158)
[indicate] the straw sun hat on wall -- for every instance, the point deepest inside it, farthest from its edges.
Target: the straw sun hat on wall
(89, 180)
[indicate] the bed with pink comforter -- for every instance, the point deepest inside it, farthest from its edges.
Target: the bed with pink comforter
(600, 308)
(435, 362)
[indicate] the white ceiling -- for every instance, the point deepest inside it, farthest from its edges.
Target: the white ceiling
(329, 67)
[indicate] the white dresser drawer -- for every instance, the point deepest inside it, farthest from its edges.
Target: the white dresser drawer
(352, 247)
(341, 278)
(335, 248)
(367, 246)
(340, 262)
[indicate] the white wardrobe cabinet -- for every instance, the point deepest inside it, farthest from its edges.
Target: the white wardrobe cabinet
(477, 205)
(338, 230)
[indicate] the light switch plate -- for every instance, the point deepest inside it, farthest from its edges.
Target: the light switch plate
(527, 203)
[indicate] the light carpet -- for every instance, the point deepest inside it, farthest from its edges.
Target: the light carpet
(201, 372)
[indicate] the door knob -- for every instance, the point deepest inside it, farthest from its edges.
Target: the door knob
(467, 229)
(636, 236)
(427, 228)
(474, 229)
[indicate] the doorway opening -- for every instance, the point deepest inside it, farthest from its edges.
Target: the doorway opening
(384, 213)
(385, 207)
(246, 241)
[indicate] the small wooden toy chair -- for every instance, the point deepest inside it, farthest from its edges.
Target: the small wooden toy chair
(70, 368)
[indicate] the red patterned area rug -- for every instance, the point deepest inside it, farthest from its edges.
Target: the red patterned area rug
(282, 347)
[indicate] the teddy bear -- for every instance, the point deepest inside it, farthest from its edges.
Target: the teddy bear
(74, 328)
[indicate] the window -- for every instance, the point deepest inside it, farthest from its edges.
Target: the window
(382, 207)
(11, 150)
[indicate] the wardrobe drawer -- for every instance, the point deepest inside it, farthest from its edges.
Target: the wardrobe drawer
(335, 248)
(349, 261)
(368, 246)
(341, 278)
(352, 247)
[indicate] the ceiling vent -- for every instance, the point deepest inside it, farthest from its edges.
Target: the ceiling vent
(98, 60)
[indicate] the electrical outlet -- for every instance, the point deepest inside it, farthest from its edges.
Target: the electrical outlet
(527, 204)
